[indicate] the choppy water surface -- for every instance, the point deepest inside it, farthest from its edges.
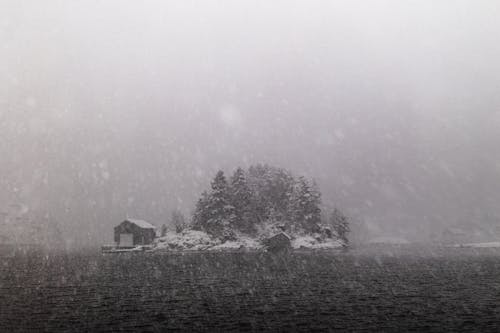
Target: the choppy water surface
(371, 291)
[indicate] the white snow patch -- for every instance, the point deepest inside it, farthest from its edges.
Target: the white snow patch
(201, 241)
(480, 245)
(186, 240)
(141, 223)
(310, 242)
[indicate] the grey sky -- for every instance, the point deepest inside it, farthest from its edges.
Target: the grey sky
(110, 108)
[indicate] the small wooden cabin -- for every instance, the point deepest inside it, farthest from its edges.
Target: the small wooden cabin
(279, 243)
(131, 233)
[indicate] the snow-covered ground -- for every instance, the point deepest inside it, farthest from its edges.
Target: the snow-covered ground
(309, 242)
(186, 240)
(479, 245)
(201, 241)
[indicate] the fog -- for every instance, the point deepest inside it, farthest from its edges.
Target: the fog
(111, 108)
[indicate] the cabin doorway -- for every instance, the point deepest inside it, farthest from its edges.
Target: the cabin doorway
(126, 240)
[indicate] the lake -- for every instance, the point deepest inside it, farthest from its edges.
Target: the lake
(362, 290)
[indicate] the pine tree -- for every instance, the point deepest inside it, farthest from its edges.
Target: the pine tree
(163, 231)
(178, 221)
(263, 194)
(271, 189)
(340, 224)
(219, 211)
(200, 216)
(243, 203)
(304, 210)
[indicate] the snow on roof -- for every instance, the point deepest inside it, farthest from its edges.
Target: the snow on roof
(281, 234)
(310, 242)
(141, 223)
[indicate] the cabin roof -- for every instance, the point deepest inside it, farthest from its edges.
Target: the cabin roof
(280, 234)
(141, 223)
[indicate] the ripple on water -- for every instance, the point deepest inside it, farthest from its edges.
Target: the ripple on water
(250, 292)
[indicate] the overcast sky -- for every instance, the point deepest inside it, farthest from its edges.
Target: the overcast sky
(115, 108)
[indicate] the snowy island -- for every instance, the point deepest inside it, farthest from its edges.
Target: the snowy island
(262, 208)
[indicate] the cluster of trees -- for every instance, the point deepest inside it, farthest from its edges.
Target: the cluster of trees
(177, 222)
(339, 224)
(263, 195)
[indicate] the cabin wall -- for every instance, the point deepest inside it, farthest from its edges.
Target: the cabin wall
(140, 236)
(279, 242)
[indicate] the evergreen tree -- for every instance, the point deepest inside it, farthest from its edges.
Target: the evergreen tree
(304, 210)
(243, 202)
(200, 216)
(262, 195)
(163, 231)
(339, 224)
(271, 187)
(178, 221)
(219, 211)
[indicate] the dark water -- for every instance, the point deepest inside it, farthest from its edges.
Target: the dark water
(360, 291)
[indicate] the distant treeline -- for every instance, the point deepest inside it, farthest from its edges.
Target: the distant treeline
(264, 197)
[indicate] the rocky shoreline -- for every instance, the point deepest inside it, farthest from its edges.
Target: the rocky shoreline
(191, 240)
